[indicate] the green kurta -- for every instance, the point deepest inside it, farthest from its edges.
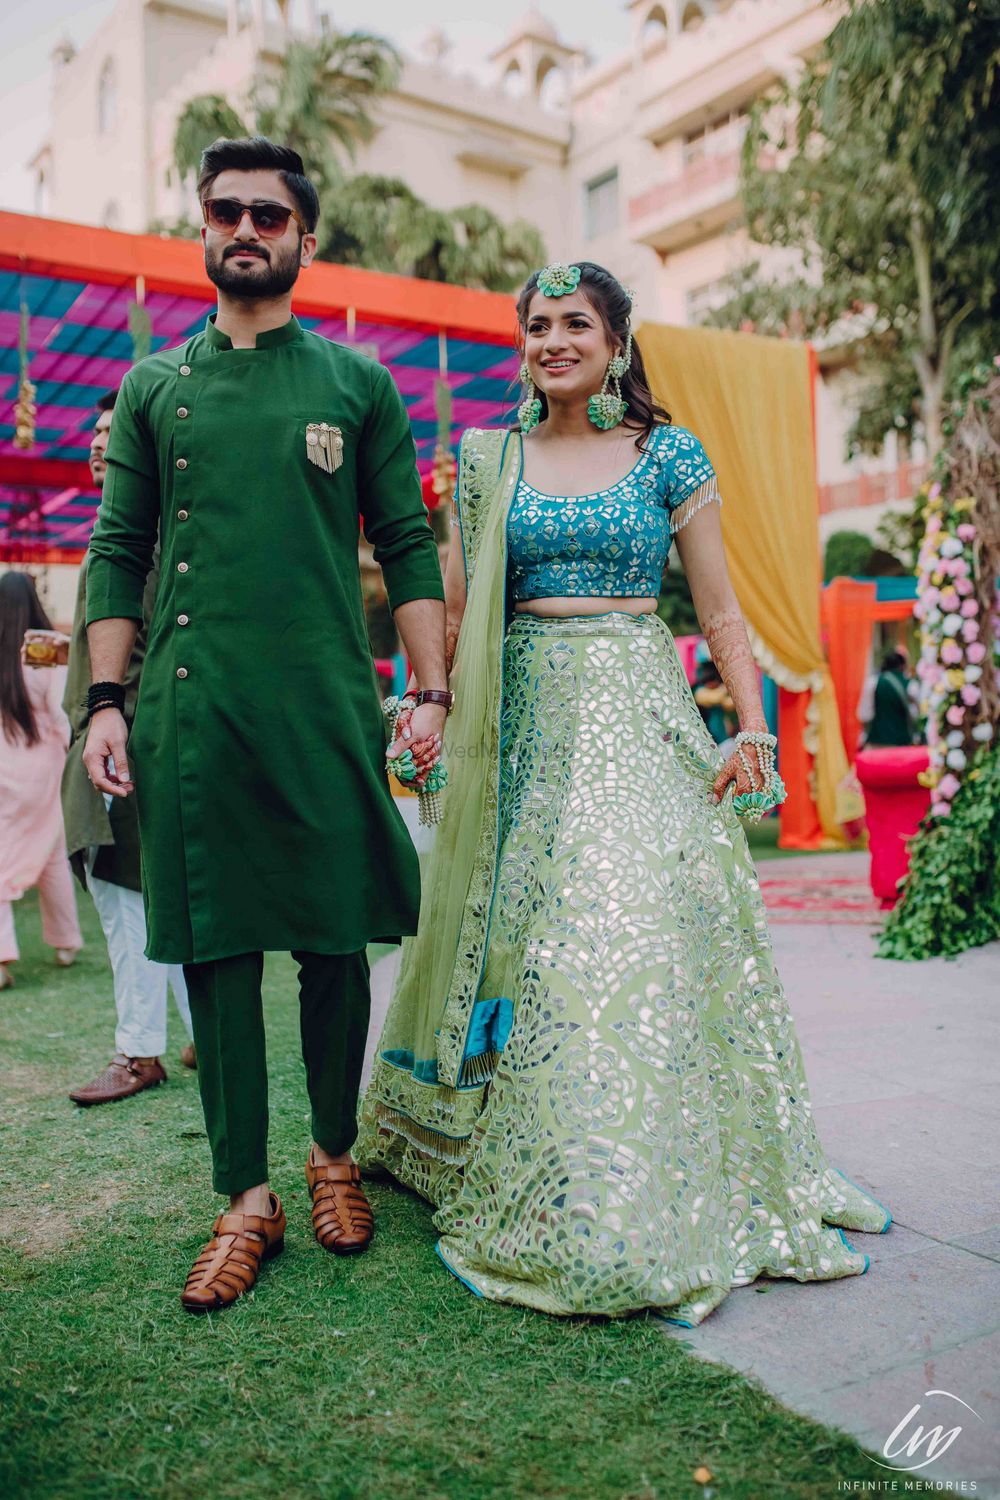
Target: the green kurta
(265, 814)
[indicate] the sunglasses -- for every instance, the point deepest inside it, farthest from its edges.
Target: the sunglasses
(270, 220)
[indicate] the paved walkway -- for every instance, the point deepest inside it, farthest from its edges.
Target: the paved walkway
(902, 1065)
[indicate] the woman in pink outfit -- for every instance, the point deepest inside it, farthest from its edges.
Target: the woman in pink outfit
(34, 735)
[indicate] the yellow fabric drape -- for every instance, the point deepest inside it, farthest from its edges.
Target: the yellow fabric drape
(749, 400)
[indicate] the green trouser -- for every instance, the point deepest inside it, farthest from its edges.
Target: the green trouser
(228, 1022)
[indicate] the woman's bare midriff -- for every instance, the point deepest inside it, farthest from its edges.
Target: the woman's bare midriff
(561, 608)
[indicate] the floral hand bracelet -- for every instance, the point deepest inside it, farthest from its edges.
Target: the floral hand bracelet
(753, 805)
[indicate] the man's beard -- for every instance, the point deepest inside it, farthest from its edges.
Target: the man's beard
(278, 274)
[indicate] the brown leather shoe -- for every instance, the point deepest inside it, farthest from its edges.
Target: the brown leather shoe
(189, 1058)
(230, 1262)
(123, 1077)
(341, 1214)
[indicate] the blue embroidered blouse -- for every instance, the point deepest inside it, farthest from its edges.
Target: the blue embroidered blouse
(613, 543)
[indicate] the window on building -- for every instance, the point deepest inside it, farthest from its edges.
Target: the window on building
(514, 84)
(601, 205)
(107, 98)
(654, 27)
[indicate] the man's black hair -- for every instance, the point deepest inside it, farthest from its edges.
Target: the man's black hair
(258, 154)
(893, 661)
(107, 401)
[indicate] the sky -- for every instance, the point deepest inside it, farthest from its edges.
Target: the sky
(31, 29)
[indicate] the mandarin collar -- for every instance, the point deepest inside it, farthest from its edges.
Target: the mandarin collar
(273, 338)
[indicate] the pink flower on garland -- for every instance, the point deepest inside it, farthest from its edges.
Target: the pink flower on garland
(951, 653)
(970, 695)
(948, 786)
(976, 652)
(955, 714)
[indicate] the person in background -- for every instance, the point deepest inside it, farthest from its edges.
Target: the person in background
(102, 839)
(891, 719)
(34, 734)
(715, 705)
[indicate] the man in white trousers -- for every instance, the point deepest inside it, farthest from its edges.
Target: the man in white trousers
(102, 839)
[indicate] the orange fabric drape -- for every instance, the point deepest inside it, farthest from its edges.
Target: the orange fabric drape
(749, 399)
(848, 611)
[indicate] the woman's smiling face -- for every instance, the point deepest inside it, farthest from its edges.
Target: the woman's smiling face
(566, 346)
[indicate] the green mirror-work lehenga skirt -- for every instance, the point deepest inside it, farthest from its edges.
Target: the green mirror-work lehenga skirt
(626, 1123)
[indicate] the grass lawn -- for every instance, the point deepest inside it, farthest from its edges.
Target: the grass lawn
(356, 1379)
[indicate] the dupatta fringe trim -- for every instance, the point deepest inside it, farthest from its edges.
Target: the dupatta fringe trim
(478, 1070)
(441, 1147)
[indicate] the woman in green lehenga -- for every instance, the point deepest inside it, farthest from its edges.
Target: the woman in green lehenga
(589, 1066)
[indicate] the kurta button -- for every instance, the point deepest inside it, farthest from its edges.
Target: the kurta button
(182, 567)
(182, 515)
(182, 463)
(183, 619)
(182, 411)
(182, 671)
(185, 369)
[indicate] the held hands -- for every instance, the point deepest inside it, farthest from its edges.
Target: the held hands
(106, 742)
(420, 730)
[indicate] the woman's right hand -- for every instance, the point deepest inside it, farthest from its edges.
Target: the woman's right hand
(106, 740)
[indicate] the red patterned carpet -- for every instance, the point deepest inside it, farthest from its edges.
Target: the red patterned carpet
(816, 897)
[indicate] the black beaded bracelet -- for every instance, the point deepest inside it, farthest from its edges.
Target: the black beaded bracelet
(105, 695)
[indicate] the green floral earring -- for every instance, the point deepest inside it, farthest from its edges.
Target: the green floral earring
(608, 408)
(529, 413)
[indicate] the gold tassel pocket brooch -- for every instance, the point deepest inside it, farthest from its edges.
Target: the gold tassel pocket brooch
(325, 446)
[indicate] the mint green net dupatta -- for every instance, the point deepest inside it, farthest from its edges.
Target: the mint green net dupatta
(439, 1047)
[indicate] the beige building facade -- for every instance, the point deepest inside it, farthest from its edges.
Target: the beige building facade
(633, 162)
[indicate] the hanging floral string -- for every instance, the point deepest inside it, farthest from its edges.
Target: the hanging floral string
(443, 466)
(140, 325)
(25, 409)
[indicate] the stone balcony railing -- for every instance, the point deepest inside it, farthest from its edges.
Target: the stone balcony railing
(678, 191)
(900, 483)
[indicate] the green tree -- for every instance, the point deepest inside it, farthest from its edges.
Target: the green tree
(846, 555)
(879, 168)
(319, 101)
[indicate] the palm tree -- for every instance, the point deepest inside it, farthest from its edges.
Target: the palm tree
(319, 102)
(489, 253)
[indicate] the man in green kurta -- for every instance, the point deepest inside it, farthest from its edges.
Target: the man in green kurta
(265, 816)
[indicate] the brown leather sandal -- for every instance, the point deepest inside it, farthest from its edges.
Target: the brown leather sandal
(230, 1262)
(341, 1214)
